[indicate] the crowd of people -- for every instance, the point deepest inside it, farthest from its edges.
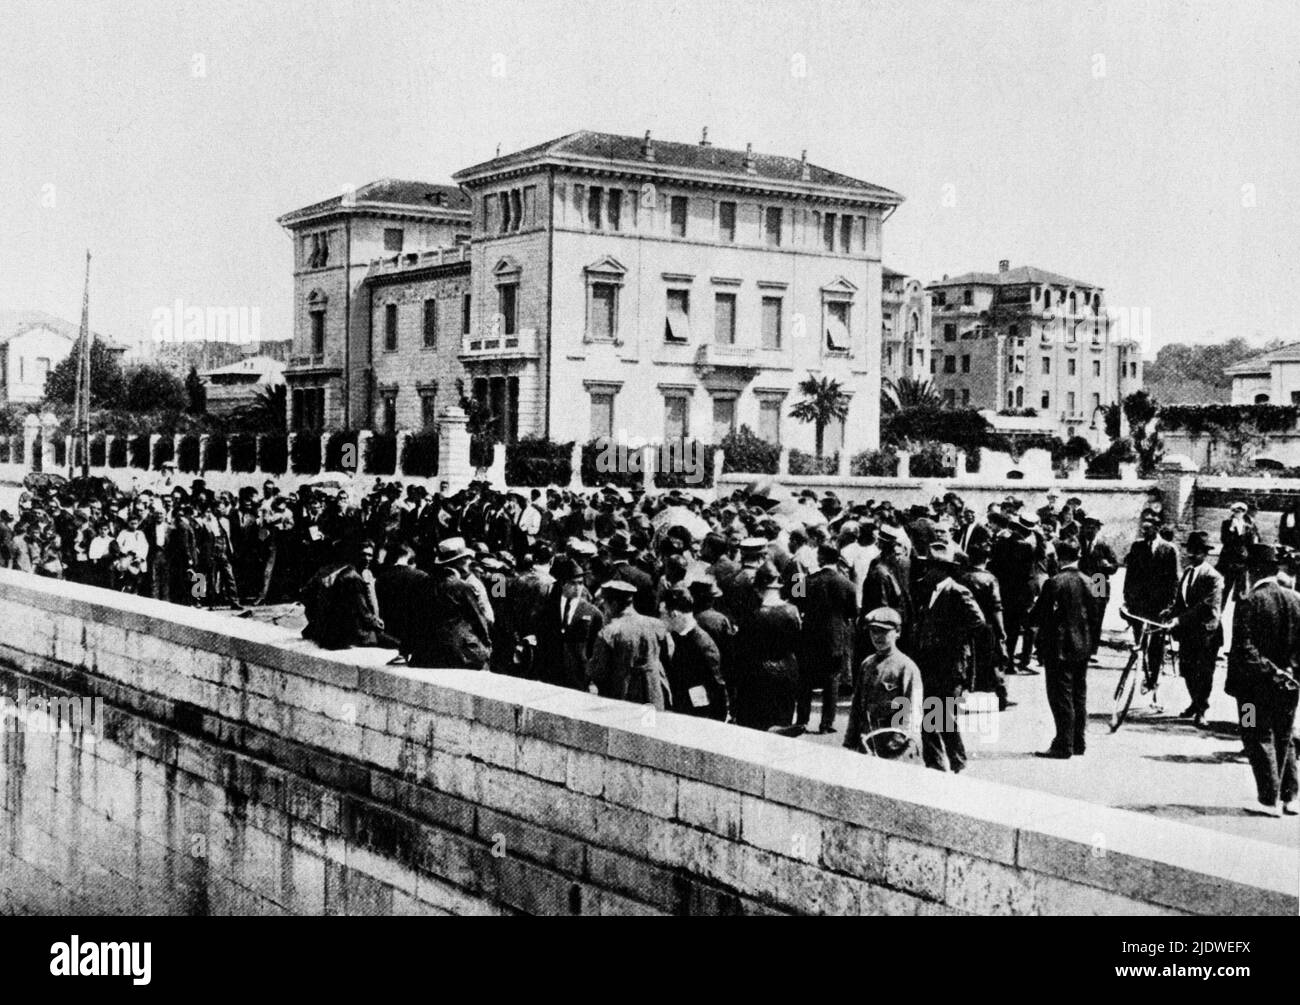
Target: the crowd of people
(750, 608)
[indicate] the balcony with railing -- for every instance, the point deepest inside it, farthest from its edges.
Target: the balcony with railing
(522, 344)
(449, 255)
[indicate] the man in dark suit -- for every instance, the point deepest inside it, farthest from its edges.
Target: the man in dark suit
(566, 627)
(829, 606)
(1151, 582)
(1197, 626)
(886, 585)
(398, 586)
(1096, 561)
(1262, 677)
(453, 631)
(1063, 615)
(694, 666)
(1236, 535)
(623, 568)
(1013, 561)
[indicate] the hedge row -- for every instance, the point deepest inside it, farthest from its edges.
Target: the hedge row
(305, 459)
(243, 452)
(748, 453)
(274, 456)
(420, 454)
(533, 461)
(381, 454)
(341, 451)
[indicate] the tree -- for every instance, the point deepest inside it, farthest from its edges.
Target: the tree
(824, 402)
(106, 384)
(265, 413)
(153, 389)
(1111, 416)
(196, 393)
(907, 392)
(1140, 410)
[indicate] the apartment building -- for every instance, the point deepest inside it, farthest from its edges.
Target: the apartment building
(905, 327)
(1027, 340)
(627, 286)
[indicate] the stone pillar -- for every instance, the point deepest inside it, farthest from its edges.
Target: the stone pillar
(203, 454)
(575, 467)
(31, 429)
(402, 437)
(783, 462)
(453, 448)
(257, 453)
(176, 450)
(363, 448)
(290, 442)
(1128, 471)
(718, 461)
(154, 439)
(497, 469)
(69, 453)
(649, 462)
(959, 464)
(842, 468)
(108, 450)
(904, 464)
(1177, 483)
(324, 444)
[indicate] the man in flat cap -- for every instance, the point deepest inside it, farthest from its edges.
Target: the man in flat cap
(1262, 677)
(1096, 561)
(627, 661)
(1236, 534)
(1197, 625)
(1063, 615)
(889, 694)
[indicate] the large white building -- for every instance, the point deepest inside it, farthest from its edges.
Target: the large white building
(1267, 378)
(32, 343)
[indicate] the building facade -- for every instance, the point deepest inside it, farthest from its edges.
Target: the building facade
(1267, 378)
(32, 343)
(905, 327)
(648, 290)
(237, 385)
(1024, 339)
(330, 375)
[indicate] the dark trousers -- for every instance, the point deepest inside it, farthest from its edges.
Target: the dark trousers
(1267, 718)
(1067, 696)
(830, 687)
(1156, 647)
(1196, 665)
(1014, 618)
(941, 743)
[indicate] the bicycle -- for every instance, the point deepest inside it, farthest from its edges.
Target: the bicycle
(1140, 667)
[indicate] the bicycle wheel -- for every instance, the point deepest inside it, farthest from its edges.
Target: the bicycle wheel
(1124, 691)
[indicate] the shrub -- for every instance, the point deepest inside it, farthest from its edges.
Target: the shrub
(592, 453)
(60, 452)
(243, 452)
(273, 456)
(875, 463)
(188, 461)
(748, 453)
(117, 453)
(534, 461)
(381, 454)
(677, 477)
(97, 454)
(807, 464)
(5, 440)
(1106, 464)
(165, 451)
(216, 453)
(931, 461)
(420, 454)
(139, 447)
(480, 451)
(38, 453)
(305, 459)
(341, 451)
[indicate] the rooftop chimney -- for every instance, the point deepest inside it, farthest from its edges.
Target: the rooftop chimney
(805, 172)
(1004, 265)
(750, 166)
(647, 148)
(704, 138)
(498, 149)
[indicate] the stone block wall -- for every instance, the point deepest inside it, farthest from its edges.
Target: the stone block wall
(238, 770)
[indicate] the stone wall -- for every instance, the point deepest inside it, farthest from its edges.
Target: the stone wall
(240, 771)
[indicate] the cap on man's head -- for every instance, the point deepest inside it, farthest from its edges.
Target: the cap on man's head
(566, 570)
(617, 587)
(884, 617)
(1198, 541)
(1238, 507)
(753, 544)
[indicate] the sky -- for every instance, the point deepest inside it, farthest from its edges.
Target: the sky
(1150, 148)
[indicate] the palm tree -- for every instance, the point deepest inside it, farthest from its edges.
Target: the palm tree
(907, 392)
(265, 413)
(824, 401)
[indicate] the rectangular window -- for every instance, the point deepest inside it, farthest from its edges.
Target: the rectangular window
(933, 361)
(594, 203)
(967, 297)
(772, 226)
(1096, 400)
(965, 396)
(317, 333)
(1047, 365)
(950, 364)
(846, 233)
(389, 421)
(771, 322)
(677, 211)
(677, 325)
(1070, 403)
(393, 238)
(615, 209)
(837, 325)
(604, 300)
(724, 418)
(940, 298)
(727, 222)
(602, 414)
(530, 205)
(1013, 331)
(390, 327)
(676, 417)
(507, 299)
(465, 314)
(428, 408)
(828, 231)
(950, 333)
(1047, 399)
(965, 364)
(769, 419)
(516, 209)
(950, 398)
(431, 324)
(1070, 368)
(724, 318)
(1096, 368)
(503, 213)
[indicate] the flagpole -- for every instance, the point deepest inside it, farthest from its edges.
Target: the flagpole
(82, 408)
